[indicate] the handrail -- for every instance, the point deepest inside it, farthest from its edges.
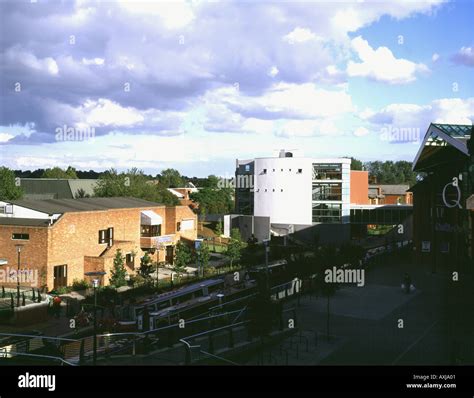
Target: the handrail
(38, 337)
(220, 358)
(193, 336)
(42, 356)
(232, 301)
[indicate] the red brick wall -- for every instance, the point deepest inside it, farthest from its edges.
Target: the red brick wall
(34, 255)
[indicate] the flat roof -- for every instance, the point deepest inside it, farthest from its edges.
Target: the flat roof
(59, 206)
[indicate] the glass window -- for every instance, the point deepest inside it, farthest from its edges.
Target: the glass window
(327, 212)
(20, 236)
(327, 191)
(327, 172)
(148, 231)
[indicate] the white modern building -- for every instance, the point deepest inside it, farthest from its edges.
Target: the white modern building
(294, 191)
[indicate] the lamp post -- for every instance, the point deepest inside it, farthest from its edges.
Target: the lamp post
(18, 250)
(96, 275)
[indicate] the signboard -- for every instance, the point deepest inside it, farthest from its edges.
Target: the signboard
(164, 239)
(426, 246)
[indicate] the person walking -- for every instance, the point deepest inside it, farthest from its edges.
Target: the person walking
(57, 306)
(406, 282)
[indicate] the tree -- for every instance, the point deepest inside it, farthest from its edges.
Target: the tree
(118, 271)
(390, 172)
(9, 189)
(81, 193)
(356, 164)
(171, 178)
(134, 184)
(214, 200)
(182, 258)
(146, 267)
(57, 172)
(234, 247)
(203, 256)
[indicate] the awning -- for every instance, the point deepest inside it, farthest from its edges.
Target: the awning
(3, 261)
(149, 217)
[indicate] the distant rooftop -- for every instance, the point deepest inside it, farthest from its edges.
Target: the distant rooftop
(59, 206)
(24, 222)
(57, 188)
(391, 189)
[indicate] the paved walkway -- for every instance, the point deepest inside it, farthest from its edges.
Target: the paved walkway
(436, 318)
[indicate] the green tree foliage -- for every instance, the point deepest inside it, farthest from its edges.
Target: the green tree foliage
(118, 271)
(390, 172)
(182, 258)
(146, 267)
(203, 255)
(171, 178)
(9, 190)
(234, 247)
(356, 164)
(214, 200)
(219, 228)
(81, 193)
(57, 172)
(133, 183)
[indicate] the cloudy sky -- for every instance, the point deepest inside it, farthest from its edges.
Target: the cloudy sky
(195, 84)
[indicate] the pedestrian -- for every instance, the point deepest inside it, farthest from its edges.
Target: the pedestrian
(57, 306)
(406, 282)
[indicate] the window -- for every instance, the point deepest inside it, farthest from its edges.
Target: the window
(130, 260)
(327, 191)
(327, 172)
(327, 212)
(106, 236)
(20, 236)
(247, 167)
(300, 171)
(7, 209)
(149, 231)
(264, 171)
(187, 225)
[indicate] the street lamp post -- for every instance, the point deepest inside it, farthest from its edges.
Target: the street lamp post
(96, 275)
(18, 250)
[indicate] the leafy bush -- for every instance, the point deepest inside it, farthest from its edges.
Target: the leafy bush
(81, 284)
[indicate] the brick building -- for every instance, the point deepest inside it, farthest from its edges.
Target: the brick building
(64, 238)
(390, 194)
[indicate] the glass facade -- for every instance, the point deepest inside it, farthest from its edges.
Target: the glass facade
(327, 191)
(327, 171)
(327, 212)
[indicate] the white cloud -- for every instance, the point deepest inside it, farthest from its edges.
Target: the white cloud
(93, 61)
(381, 65)
(465, 56)
(300, 35)
(435, 57)
(4, 137)
(17, 56)
(175, 14)
(273, 71)
(104, 112)
(361, 131)
(285, 100)
(444, 110)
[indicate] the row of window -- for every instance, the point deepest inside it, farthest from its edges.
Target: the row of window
(327, 171)
(327, 212)
(299, 171)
